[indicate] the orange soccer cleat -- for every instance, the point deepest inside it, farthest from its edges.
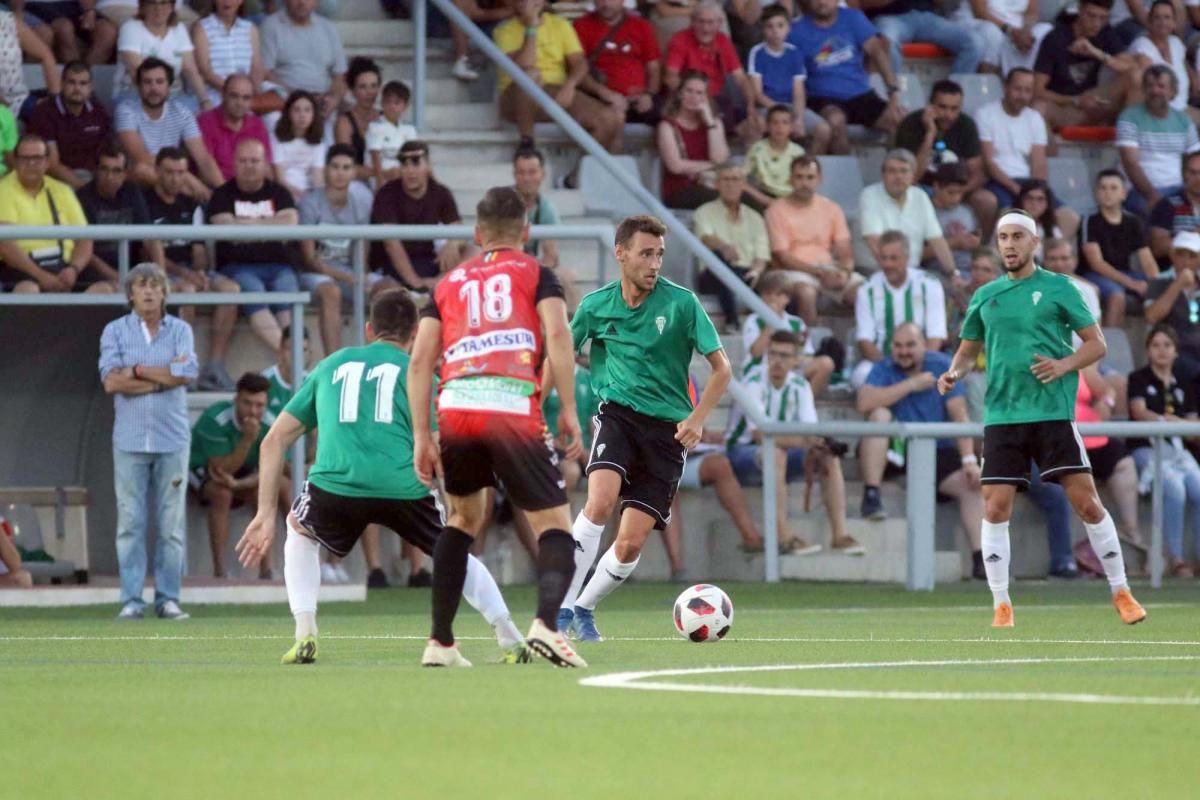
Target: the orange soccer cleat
(1003, 617)
(1131, 610)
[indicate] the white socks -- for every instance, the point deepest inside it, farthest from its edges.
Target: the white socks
(587, 541)
(302, 574)
(997, 553)
(610, 573)
(482, 594)
(1103, 536)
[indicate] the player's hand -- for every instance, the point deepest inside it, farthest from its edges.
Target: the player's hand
(1139, 287)
(256, 541)
(689, 432)
(427, 461)
(972, 475)
(1048, 370)
(250, 427)
(1187, 279)
(945, 383)
(570, 436)
(221, 478)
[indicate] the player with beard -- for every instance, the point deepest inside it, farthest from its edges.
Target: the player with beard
(1024, 322)
(643, 330)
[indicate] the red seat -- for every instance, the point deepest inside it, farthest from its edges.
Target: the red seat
(1088, 133)
(923, 50)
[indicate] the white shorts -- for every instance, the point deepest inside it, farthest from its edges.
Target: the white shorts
(309, 281)
(691, 467)
(808, 279)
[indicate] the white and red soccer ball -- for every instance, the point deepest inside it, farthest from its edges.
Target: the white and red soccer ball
(703, 613)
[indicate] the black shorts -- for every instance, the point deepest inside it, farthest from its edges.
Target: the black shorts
(11, 276)
(198, 477)
(866, 109)
(337, 521)
(644, 450)
(481, 450)
(949, 461)
(1105, 459)
(1055, 445)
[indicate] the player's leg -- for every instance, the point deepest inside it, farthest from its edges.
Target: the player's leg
(1006, 456)
(420, 524)
(717, 471)
(1063, 458)
(220, 501)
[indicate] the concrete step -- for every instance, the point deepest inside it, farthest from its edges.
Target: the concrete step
(379, 33)
(462, 116)
(360, 10)
(567, 200)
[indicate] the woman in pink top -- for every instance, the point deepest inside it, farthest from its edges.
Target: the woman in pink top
(691, 143)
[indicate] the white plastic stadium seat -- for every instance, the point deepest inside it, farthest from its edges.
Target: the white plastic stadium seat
(602, 193)
(1071, 182)
(841, 182)
(913, 95)
(978, 90)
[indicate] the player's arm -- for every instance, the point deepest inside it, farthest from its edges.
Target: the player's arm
(691, 430)
(873, 397)
(420, 393)
(956, 409)
(256, 541)
(962, 364)
(1091, 351)
(560, 351)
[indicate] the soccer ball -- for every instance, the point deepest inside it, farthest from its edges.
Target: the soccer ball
(703, 613)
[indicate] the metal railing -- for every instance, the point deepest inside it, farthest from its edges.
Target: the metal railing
(580, 136)
(921, 471)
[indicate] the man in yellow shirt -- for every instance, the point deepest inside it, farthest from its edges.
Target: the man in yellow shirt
(29, 197)
(546, 47)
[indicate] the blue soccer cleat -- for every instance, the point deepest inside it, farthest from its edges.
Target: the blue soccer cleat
(566, 621)
(585, 626)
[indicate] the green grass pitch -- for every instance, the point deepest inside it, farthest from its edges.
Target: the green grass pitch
(1080, 705)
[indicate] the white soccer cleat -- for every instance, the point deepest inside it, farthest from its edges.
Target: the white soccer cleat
(438, 655)
(552, 646)
(329, 575)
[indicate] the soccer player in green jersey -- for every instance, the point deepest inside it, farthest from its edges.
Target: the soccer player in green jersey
(363, 475)
(643, 329)
(1024, 322)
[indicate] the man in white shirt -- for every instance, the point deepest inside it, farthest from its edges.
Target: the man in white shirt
(895, 295)
(786, 397)
(1014, 138)
(896, 204)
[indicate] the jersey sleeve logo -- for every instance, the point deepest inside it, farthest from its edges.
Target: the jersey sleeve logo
(457, 276)
(661, 322)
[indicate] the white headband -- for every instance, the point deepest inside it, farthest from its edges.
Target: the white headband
(1020, 220)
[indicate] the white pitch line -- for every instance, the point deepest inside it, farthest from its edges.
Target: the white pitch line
(635, 680)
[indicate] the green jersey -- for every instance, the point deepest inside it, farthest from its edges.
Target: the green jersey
(640, 356)
(358, 399)
(1016, 320)
(281, 388)
(585, 406)
(217, 434)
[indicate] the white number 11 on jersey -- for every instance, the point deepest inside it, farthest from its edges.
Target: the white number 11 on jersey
(350, 375)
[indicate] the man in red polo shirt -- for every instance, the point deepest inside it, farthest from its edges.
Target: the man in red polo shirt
(223, 127)
(627, 71)
(703, 47)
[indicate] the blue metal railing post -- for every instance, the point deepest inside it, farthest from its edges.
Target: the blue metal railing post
(1156, 517)
(299, 448)
(358, 260)
(921, 466)
(770, 511)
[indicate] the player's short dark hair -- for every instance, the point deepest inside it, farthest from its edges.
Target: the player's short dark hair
(775, 10)
(501, 211)
(339, 149)
(945, 86)
(414, 146)
(169, 154)
(779, 108)
(1166, 330)
(287, 333)
(787, 337)
(773, 280)
(151, 63)
(253, 383)
(639, 223)
(359, 66)
(393, 314)
(1015, 71)
(805, 160)
(396, 89)
(1105, 4)
(951, 173)
(1109, 173)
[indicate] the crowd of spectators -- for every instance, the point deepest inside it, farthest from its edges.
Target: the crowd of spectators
(228, 114)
